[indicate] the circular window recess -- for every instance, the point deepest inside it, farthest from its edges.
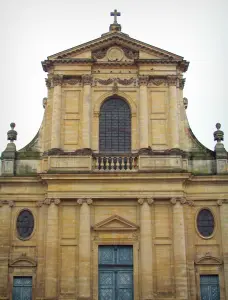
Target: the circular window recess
(25, 224)
(205, 223)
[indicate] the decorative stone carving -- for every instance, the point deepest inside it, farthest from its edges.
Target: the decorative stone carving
(181, 83)
(131, 54)
(103, 81)
(145, 151)
(100, 53)
(173, 201)
(140, 201)
(48, 83)
(157, 80)
(185, 101)
(126, 81)
(73, 81)
(87, 79)
(115, 88)
(88, 201)
(190, 202)
(182, 200)
(219, 202)
(11, 203)
(150, 201)
(44, 102)
(39, 203)
(172, 80)
(48, 201)
(12, 134)
(143, 80)
(57, 80)
(218, 134)
(115, 54)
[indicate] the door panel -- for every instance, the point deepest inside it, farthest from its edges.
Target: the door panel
(209, 287)
(115, 273)
(22, 288)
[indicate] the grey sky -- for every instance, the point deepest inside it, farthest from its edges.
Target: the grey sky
(32, 30)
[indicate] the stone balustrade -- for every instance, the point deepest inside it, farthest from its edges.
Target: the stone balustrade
(115, 163)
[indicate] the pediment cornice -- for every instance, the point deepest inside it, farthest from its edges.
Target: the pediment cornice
(23, 261)
(130, 46)
(115, 223)
(208, 260)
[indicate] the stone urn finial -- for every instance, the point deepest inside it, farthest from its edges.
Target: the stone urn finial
(12, 134)
(218, 134)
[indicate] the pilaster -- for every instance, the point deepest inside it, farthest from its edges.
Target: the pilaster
(51, 270)
(86, 115)
(179, 245)
(146, 253)
(223, 204)
(143, 112)
(173, 112)
(5, 230)
(84, 249)
(56, 112)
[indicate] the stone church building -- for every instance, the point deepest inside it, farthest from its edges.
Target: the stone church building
(114, 198)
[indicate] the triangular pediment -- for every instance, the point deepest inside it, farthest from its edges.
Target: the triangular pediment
(115, 223)
(121, 40)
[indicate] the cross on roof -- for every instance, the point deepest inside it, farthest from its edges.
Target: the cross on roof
(115, 14)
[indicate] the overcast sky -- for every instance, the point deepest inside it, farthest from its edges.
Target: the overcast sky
(32, 30)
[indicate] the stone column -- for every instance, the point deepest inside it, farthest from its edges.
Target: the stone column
(146, 255)
(173, 112)
(5, 233)
(56, 112)
(143, 112)
(84, 249)
(224, 231)
(52, 235)
(179, 247)
(86, 115)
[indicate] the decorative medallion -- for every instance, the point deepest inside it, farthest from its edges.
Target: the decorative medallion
(115, 54)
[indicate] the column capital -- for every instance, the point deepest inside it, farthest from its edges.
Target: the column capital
(181, 200)
(220, 202)
(49, 201)
(87, 79)
(143, 80)
(88, 201)
(11, 203)
(57, 80)
(172, 80)
(144, 200)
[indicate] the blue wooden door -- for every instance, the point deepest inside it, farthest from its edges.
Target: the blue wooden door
(22, 288)
(115, 273)
(209, 287)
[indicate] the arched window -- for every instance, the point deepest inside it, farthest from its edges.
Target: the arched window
(115, 126)
(25, 224)
(205, 222)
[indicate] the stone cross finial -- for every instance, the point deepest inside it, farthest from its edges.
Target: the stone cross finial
(115, 14)
(12, 134)
(218, 134)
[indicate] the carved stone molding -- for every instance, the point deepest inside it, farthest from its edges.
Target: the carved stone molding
(49, 201)
(57, 80)
(128, 52)
(143, 80)
(87, 79)
(11, 203)
(100, 53)
(39, 203)
(148, 200)
(88, 201)
(173, 201)
(172, 80)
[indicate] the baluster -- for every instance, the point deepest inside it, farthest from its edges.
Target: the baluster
(97, 163)
(102, 163)
(112, 163)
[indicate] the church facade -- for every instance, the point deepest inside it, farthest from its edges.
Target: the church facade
(114, 198)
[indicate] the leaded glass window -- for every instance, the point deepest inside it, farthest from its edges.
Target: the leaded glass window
(25, 224)
(205, 222)
(115, 126)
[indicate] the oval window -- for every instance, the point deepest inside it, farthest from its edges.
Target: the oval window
(25, 224)
(205, 222)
